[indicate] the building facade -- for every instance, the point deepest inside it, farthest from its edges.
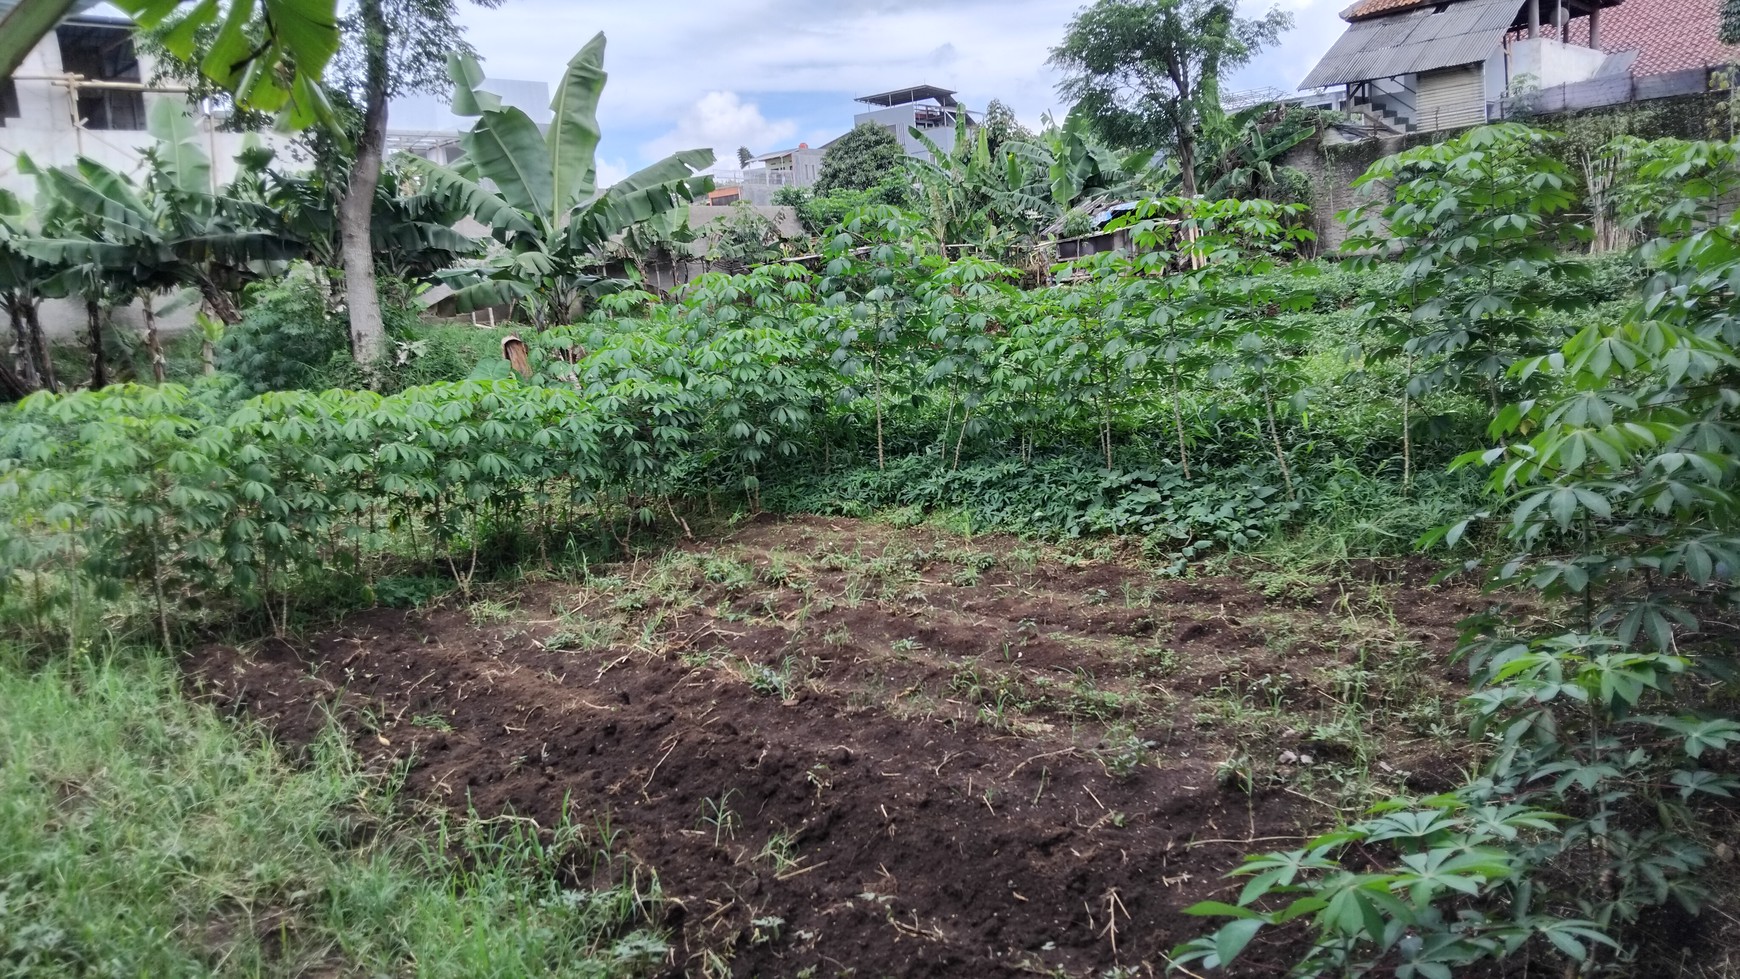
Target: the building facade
(1424, 65)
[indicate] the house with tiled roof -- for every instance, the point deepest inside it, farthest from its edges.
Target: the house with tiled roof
(1668, 35)
(1422, 65)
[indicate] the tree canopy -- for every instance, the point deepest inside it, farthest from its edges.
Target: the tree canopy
(859, 160)
(1147, 72)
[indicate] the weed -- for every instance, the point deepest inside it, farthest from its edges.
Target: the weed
(1289, 586)
(718, 814)
(591, 636)
(1163, 661)
(489, 611)
(434, 722)
(109, 775)
(1121, 754)
(1237, 773)
(735, 575)
(817, 776)
(780, 850)
(767, 681)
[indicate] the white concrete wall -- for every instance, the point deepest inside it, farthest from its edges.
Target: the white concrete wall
(1549, 62)
(900, 119)
(45, 130)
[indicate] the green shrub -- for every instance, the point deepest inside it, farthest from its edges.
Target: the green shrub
(288, 334)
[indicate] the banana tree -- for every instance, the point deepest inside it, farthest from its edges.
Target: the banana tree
(1075, 169)
(22, 281)
(412, 227)
(538, 194)
(110, 240)
(971, 196)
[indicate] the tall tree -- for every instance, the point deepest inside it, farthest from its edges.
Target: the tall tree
(1002, 127)
(859, 160)
(402, 46)
(1147, 72)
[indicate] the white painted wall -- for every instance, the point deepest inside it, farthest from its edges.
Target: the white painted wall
(1550, 62)
(900, 119)
(45, 129)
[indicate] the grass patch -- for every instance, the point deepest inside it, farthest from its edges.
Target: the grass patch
(143, 835)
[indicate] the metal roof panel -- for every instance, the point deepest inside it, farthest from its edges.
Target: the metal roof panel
(1415, 41)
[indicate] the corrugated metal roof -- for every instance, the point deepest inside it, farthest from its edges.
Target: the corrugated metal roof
(1416, 41)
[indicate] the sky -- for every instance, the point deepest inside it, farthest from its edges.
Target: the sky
(770, 74)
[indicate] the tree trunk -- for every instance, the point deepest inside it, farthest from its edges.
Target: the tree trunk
(368, 335)
(23, 356)
(1187, 162)
(153, 344)
(39, 345)
(99, 364)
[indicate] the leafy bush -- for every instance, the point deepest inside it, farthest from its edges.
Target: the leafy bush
(1603, 727)
(288, 334)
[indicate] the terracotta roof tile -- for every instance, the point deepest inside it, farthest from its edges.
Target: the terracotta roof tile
(1371, 8)
(1669, 35)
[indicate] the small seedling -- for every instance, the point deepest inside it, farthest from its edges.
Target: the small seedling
(1237, 773)
(1123, 755)
(769, 682)
(717, 813)
(781, 851)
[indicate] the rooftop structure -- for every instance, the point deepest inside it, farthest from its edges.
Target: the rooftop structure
(1437, 64)
(917, 93)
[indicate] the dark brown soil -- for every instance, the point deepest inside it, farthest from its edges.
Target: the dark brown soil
(934, 723)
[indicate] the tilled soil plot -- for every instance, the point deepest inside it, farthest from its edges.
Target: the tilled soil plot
(853, 750)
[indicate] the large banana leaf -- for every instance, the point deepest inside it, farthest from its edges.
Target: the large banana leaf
(623, 206)
(573, 136)
(470, 197)
(90, 253)
(469, 98)
(25, 24)
(178, 147)
(237, 247)
(508, 150)
(93, 192)
(505, 146)
(491, 292)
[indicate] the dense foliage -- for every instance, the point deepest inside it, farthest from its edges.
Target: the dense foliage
(1605, 720)
(860, 159)
(1195, 395)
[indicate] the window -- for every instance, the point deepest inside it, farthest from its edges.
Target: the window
(103, 53)
(8, 100)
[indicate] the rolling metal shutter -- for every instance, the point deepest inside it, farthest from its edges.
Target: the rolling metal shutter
(1451, 98)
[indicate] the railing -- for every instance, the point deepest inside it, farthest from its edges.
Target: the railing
(761, 177)
(1597, 92)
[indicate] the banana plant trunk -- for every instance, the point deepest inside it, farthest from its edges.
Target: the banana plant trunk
(153, 342)
(39, 345)
(99, 363)
(24, 358)
(368, 335)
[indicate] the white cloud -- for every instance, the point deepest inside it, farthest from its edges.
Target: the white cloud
(722, 121)
(673, 69)
(611, 171)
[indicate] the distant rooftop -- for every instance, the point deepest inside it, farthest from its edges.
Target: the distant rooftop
(917, 93)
